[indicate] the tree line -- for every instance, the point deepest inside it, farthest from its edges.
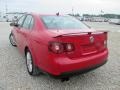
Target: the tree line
(100, 15)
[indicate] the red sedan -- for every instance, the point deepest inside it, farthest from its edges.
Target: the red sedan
(58, 45)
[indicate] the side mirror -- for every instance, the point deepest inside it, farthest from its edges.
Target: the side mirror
(14, 24)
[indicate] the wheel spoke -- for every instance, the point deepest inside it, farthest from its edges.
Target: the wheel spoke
(29, 62)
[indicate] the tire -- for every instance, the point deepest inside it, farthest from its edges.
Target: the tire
(12, 40)
(31, 68)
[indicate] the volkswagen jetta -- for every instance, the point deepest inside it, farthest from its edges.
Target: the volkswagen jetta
(58, 44)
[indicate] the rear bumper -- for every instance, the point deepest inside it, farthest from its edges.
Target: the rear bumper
(63, 66)
(73, 73)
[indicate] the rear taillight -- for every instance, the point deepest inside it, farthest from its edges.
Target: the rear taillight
(69, 47)
(58, 47)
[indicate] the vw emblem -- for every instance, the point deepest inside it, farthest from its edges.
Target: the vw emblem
(91, 39)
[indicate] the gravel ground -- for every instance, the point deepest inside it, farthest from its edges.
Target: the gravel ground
(14, 76)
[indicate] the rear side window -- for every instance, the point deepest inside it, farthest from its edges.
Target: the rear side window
(21, 20)
(28, 23)
(31, 23)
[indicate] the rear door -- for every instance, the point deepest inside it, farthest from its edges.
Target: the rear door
(25, 32)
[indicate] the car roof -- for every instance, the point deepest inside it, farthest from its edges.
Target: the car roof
(38, 14)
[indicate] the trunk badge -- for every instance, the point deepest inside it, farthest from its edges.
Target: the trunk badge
(91, 39)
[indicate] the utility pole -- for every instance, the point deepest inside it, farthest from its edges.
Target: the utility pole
(6, 10)
(6, 7)
(0, 9)
(72, 10)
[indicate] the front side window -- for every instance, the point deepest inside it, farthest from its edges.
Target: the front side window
(62, 22)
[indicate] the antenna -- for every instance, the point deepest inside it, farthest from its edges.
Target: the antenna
(57, 14)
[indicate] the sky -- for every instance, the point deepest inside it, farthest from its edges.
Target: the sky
(62, 6)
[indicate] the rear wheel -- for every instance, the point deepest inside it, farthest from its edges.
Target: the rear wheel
(12, 40)
(32, 69)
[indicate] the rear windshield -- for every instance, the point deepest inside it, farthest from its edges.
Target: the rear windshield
(62, 22)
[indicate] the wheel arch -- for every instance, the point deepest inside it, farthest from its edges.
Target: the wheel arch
(32, 52)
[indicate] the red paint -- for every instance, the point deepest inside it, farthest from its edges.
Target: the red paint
(83, 53)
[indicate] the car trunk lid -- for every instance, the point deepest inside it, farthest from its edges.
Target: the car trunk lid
(85, 43)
